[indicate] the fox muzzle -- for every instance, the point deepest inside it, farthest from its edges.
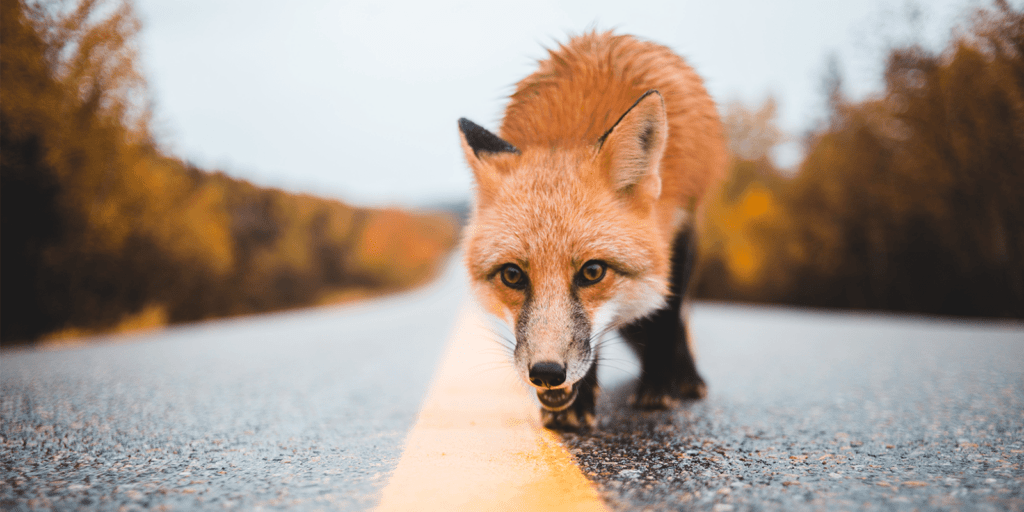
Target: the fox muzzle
(557, 399)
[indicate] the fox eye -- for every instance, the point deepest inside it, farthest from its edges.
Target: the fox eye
(513, 276)
(592, 272)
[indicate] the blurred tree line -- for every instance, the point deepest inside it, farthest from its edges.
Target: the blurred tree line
(101, 230)
(912, 200)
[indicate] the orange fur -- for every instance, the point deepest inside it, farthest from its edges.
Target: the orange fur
(583, 87)
(568, 197)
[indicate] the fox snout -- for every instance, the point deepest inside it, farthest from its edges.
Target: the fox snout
(552, 341)
(548, 378)
(543, 373)
(547, 375)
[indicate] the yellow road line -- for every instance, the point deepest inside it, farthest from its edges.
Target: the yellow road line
(478, 443)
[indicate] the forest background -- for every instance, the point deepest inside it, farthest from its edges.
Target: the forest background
(907, 201)
(911, 200)
(102, 230)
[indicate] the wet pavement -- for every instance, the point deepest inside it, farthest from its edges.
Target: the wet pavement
(818, 411)
(303, 410)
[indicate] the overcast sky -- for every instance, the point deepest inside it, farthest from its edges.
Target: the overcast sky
(358, 100)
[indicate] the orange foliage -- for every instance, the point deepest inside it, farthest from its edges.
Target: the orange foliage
(102, 231)
(397, 247)
(910, 200)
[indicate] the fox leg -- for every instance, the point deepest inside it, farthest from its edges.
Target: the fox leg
(662, 340)
(580, 413)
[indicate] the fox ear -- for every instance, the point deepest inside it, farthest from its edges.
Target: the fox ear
(481, 142)
(479, 145)
(630, 152)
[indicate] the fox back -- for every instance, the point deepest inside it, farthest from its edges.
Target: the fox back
(602, 159)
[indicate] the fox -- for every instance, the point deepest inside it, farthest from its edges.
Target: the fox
(585, 215)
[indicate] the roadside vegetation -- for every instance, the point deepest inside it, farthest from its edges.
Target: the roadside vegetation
(912, 200)
(102, 230)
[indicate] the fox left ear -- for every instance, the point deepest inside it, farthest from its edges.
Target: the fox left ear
(480, 146)
(631, 151)
(481, 141)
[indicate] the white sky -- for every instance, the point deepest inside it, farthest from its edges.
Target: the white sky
(359, 99)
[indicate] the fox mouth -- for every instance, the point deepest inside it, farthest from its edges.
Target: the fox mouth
(557, 399)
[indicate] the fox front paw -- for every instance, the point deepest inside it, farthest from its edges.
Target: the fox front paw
(694, 390)
(654, 398)
(651, 399)
(567, 420)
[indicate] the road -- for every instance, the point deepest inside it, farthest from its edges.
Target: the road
(297, 410)
(312, 409)
(825, 411)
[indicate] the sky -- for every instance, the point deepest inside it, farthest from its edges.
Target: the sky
(358, 100)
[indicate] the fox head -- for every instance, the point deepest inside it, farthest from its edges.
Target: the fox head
(565, 242)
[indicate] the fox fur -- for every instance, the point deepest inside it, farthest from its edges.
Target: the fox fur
(585, 212)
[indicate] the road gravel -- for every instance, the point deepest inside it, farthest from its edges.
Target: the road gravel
(823, 411)
(303, 410)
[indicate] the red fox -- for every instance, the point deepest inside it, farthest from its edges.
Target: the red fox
(584, 218)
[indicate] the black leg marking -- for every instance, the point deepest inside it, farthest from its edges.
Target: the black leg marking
(661, 340)
(579, 415)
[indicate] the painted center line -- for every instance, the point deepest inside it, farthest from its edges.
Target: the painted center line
(478, 443)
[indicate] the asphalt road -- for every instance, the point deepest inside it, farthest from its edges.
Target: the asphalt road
(309, 410)
(824, 411)
(302, 410)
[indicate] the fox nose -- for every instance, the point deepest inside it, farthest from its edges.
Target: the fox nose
(547, 375)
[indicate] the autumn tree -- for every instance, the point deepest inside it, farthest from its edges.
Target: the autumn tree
(102, 230)
(909, 200)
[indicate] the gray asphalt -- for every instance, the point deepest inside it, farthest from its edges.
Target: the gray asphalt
(824, 411)
(309, 410)
(303, 410)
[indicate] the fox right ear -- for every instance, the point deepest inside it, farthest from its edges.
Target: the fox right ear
(480, 142)
(631, 150)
